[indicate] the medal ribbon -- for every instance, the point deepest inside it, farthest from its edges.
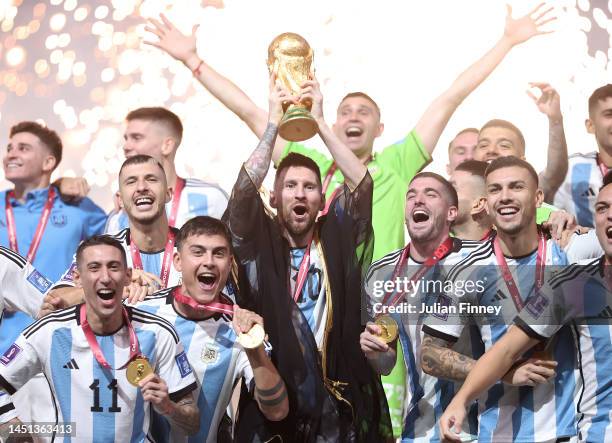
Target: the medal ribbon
(40, 229)
(211, 307)
(166, 261)
(603, 168)
(303, 272)
(328, 177)
(95, 347)
(441, 251)
(507, 275)
(176, 197)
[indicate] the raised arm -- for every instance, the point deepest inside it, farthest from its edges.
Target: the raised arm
(549, 104)
(435, 118)
(183, 48)
(270, 391)
(259, 162)
(352, 168)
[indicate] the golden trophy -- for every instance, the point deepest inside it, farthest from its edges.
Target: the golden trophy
(290, 56)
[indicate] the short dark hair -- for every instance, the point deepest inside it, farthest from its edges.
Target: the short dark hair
(293, 159)
(451, 192)
(499, 123)
(48, 137)
(203, 225)
(97, 240)
(362, 95)
(463, 131)
(474, 167)
(159, 115)
(601, 93)
(511, 161)
(140, 159)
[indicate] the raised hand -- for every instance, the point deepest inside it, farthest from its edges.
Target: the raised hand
(521, 29)
(180, 46)
(311, 91)
(278, 96)
(549, 102)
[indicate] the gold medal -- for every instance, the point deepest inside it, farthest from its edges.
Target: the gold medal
(253, 338)
(388, 328)
(138, 369)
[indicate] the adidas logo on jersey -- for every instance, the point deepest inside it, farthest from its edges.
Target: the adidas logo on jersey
(72, 364)
(588, 193)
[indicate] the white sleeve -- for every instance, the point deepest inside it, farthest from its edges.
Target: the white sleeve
(7, 410)
(23, 287)
(583, 247)
(19, 363)
(173, 366)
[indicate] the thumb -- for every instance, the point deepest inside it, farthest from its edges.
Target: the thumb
(508, 11)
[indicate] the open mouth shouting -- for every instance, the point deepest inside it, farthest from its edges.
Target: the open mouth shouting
(107, 296)
(420, 216)
(609, 232)
(353, 132)
(300, 211)
(144, 202)
(207, 280)
(507, 212)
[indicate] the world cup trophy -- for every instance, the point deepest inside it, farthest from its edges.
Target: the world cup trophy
(290, 56)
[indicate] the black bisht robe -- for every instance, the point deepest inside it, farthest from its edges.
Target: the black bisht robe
(262, 253)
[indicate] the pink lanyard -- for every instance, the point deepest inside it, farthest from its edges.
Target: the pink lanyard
(95, 347)
(302, 273)
(166, 261)
(441, 251)
(40, 229)
(176, 198)
(507, 275)
(211, 307)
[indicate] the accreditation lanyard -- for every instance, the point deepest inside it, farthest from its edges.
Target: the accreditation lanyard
(40, 229)
(603, 168)
(176, 198)
(95, 347)
(210, 307)
(166, 261)
(302, 273)
(441, 251)
(507, 275)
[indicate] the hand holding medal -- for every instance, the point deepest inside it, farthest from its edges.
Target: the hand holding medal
(248, 327)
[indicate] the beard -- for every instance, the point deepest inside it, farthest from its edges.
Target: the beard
(294, 228)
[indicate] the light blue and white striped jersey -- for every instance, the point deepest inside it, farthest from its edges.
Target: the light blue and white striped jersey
(102, 403)
(217, 360)
(198, 198)
(426, 396)
(151, 262)
(312, 299)
(508, 413)
(7, 410)
(578, 192)
(587, 307)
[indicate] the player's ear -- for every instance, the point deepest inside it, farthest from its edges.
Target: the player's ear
(590, 127)
(452, 213)
(176, 258)
(273, 201)
(478, 205)
(539, 197)
(76, 278)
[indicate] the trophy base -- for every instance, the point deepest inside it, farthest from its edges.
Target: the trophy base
(297, 124)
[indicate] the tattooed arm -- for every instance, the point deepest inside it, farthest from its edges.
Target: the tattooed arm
(439, 360)
(270, 391)
(258, 163)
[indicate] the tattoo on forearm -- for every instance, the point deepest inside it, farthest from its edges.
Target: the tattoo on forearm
(186, 415)
(439, 360)
(258, 163)
(274, 401)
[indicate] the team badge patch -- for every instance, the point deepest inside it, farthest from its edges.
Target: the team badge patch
(183, 364)
(441, 311)
(39, 281)
(210, 353)
(59, 220)
(69, 275)
(10, 354)
(536, 305)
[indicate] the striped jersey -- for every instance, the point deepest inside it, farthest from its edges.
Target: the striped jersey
(508, 413)
(578, 192)
(102, 403)
(22, 287)
(311, 299)
(151, 262)
(217, 361)
(426, 396)
(198, 198)
(583, 246)
(579, 297)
